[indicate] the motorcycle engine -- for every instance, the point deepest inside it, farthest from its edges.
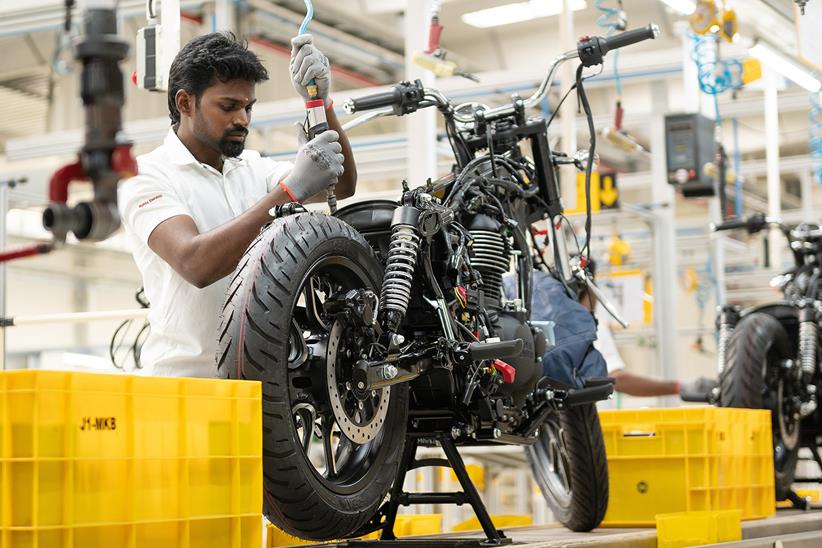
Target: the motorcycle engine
(491, 256)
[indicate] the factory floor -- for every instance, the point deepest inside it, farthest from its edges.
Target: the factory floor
(792, 528)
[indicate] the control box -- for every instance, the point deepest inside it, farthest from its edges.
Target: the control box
(689, 145)
(150, 74)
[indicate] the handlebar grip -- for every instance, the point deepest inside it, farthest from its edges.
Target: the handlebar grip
(591, 50)
(377, 100)
(632, 37)
(404, 98)
(731, 224)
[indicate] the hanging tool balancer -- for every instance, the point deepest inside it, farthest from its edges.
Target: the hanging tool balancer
(315, 110)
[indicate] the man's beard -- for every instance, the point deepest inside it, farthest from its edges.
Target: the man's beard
(224, 146)
(231, 149)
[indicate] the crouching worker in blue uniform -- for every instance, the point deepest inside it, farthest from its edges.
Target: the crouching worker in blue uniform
(583, 348)
(570, 357)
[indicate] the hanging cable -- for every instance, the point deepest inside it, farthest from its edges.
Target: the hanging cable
(589, 165)
(815, 134)
(737, 172)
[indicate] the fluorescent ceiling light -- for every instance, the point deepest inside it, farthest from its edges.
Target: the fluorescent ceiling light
(785, 67)
(685, 7)
(518, 12)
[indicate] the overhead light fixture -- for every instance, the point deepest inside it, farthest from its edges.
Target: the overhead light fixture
(784, 66)
(518, 12)
(685, 7)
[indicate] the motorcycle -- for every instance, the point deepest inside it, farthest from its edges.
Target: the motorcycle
(385, 326)
(769, 354)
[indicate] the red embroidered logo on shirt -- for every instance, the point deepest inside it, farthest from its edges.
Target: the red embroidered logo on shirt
(150, 200)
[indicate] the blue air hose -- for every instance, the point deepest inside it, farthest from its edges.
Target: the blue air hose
(815, 134)
(309, 15)
(612, 19)
(715, 75)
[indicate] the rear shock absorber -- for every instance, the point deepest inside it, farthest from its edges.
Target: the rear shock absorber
(808, 333)
(399, 267)
(728, 316)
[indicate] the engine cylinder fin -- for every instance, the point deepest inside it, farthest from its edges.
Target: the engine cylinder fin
(491, 256)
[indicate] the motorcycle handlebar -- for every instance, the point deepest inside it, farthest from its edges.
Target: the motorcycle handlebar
(406, 97)
(592, 50)
(403, 98)
(370, 102)
(731, 224)
(752, 224)
(629, 37)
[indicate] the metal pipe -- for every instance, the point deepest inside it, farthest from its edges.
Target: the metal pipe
(74, 317)
(772, 162)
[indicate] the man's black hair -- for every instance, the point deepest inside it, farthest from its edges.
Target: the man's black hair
(207, 59)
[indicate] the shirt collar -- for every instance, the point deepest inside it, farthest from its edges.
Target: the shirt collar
(177, 151)
(179, 154)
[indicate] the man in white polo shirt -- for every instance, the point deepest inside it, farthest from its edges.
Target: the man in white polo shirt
(200, 199)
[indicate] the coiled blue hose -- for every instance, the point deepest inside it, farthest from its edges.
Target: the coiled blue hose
(612, 19)
(815, 134)
(715, 75)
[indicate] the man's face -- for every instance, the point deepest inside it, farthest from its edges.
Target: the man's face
(222, 116)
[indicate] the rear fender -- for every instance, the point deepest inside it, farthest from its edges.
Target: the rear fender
(372, 219)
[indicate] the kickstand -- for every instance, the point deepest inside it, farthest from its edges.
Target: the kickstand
(386, 517)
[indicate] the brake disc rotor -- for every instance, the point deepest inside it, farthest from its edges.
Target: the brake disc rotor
(358, 422)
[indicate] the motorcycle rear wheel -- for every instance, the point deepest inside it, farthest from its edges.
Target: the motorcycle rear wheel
(329, 458)
(755, 350)
(569, 464)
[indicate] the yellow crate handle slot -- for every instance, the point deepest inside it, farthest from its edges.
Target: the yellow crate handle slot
(638, 431)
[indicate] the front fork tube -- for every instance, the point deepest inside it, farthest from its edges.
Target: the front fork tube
(558, 235)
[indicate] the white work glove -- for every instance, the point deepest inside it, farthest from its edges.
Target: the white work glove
(697, 390)
(308, 62)
(318, 164)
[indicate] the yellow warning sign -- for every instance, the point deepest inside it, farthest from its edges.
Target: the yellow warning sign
(604, 193)
(608, 195)
(580, 208)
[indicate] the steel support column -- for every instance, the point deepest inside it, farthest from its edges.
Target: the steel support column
(420, 126)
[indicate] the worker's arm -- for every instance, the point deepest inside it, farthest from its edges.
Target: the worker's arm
(347, 182)
(310, 68)
(202, 259)
(153, 213)
(636, 385)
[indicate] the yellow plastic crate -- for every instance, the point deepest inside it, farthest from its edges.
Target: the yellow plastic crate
(687, 459)
(682, 529)
(501, 521)
(90, 460)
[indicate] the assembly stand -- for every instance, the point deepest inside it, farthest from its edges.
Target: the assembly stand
(387, 514)
(798, 502)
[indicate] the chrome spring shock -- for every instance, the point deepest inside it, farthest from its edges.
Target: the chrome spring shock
(728, 317)
(807, 347)
(725, 332)
(399, 275)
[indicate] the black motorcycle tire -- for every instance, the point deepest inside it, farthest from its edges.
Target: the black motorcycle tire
(584, 507)
(254, 345)
(759, 342)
